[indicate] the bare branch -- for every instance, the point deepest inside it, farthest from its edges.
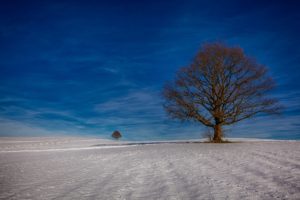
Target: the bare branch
(222, 86)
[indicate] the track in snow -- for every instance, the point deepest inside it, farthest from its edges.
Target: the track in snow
(256, 170)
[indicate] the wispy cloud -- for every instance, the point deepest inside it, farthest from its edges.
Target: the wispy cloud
(19, 128)
(104, 69)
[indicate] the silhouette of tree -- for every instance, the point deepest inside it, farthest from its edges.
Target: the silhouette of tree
(116, 135)
(222, 86)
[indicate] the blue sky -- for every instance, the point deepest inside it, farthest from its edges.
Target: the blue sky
(91, 67)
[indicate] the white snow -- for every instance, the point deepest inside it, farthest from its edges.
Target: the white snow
(86, 168)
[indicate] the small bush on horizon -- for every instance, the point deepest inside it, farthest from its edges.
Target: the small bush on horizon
(116, 135)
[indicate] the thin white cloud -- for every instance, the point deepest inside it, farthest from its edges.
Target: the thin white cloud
(142, 100)
(17, 128)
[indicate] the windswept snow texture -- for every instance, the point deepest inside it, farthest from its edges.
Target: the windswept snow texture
(80, 169)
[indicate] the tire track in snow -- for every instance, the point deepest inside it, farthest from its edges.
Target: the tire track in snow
(178, 171)
(252, 175)
(281, 160)
(65, 149)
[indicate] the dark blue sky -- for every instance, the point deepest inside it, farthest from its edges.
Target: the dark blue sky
(90, 67)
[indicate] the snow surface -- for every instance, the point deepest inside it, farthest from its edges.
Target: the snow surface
(86, 168)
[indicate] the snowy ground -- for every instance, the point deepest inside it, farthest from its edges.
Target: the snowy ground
(76, 168)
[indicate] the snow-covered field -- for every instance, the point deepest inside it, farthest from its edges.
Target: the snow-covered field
(85, 168)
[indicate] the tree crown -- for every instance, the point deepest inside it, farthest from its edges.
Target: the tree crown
(116, 135)
(221, 86)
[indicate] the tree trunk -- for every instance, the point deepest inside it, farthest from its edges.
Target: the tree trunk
(217, 133)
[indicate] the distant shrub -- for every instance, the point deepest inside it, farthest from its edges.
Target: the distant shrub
(208, 134)
(116, 135)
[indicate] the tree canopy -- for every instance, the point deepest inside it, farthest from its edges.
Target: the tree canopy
(222, 86)
(116, 135)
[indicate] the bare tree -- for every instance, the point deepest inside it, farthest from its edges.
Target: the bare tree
(222, 86)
